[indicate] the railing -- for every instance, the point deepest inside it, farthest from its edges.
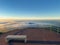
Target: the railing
(55, 29)
(49, 27)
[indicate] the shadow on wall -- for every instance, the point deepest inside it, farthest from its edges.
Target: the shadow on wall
(35, 42)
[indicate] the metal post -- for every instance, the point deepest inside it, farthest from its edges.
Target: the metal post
(57, 30)
(50, 27)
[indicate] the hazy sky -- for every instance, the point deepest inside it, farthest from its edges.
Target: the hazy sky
(29, 8)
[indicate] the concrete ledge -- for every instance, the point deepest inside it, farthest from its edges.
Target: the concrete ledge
(16, 37)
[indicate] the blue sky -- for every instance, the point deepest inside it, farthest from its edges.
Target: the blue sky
(30, 8)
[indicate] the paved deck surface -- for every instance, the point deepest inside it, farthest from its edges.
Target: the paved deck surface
(35, 37)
